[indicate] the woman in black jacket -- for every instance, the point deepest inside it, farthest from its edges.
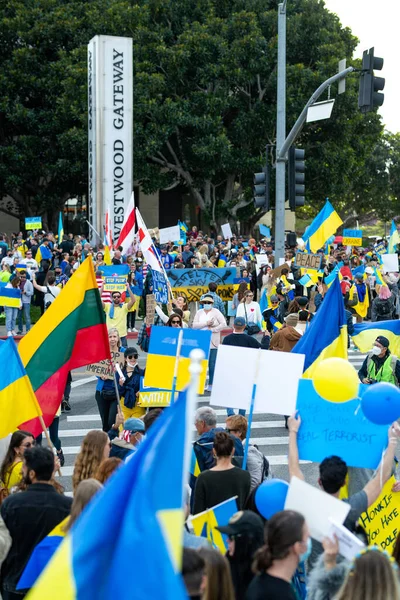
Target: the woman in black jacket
(129, 385)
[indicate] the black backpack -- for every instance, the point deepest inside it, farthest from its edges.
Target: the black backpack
(383, 308)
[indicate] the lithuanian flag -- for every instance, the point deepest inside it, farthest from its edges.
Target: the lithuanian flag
(72, 333)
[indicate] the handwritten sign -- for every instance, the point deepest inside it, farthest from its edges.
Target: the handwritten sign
(104, 367)
(160, 288)
(153, 397)
(381, 521)
(352, 237)
(329, 428)
(33, 223)
(380, 248)
(308, 261)
(115, 284)
(193, 283)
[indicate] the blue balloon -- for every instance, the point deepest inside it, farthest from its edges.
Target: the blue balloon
(330, 240)
(381, 403)
(271, 496)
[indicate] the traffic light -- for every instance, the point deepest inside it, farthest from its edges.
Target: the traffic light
(369, 95)
(296, 177)
(261, 189)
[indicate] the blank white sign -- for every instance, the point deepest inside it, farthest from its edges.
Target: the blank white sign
(169, 234)
(390, 263)
(226, 231)
(276, 375)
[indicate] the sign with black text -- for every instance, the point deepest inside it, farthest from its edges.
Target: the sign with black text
(308, 261)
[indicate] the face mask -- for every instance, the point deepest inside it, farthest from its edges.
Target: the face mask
(207, 306)
(376, 351)
(132, 365)
(303, 557)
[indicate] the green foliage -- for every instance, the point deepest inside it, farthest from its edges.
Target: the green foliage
(204, 94)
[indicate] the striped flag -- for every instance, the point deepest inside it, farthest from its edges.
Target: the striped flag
(146, 244)
(127, 233)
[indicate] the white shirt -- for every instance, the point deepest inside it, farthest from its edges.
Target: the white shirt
(252, 313)
(47, 296)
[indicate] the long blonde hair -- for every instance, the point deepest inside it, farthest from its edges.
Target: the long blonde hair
(84, 493)
(90, 456)
(372, 577)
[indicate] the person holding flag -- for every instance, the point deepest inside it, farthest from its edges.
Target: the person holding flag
(117, 311)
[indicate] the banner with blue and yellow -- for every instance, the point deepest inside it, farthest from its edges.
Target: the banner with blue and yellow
(9, 296)
(204, 523)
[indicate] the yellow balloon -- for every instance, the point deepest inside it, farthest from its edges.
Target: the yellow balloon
(336, 380)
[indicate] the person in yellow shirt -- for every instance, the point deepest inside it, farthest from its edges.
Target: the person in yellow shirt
(116, 313)
(11, 468)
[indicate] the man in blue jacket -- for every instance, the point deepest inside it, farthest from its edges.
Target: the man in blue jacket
(206, 425)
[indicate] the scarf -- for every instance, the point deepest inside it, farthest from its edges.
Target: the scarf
(111, 312)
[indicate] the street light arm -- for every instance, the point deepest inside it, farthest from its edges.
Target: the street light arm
(282, 152)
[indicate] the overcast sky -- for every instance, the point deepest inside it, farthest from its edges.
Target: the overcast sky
(377, 24)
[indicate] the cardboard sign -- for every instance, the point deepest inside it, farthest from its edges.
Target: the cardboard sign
(33, 223)
(330, 428)
(352, 237)
(104, 367)
(226, 231)
(316, 506)
(275, 394)
(115, 284)
(169, 234)
(308, 261)
(382, 519)
(193, 283)
(150, 309)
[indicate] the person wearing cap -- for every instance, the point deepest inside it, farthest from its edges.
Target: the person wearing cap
(245, 531)
(287, 337)
(129, 385)
(362, 306)
(239, 337)
(209, 318)
(218, 302)
(380, 365)
(128, 440)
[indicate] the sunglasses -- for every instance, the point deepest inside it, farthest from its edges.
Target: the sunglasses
(116, 296)
(175, 322)
(132, 356)
(208, 303)
(230, 430)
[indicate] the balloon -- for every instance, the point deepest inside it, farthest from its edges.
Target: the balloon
(381, 403)
(270, 497)
(336, 380)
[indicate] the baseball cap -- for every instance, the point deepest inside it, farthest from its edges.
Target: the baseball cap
(244, 521)
(239, 322)
(134, 425)
(383, 341)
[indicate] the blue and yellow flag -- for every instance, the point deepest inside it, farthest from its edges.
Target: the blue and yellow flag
(326, 335)
(162, 356)
(18, 402)
(365, 335)
(324, 225)
(362, 305)
(60, 228)
(394, 238)
(140, 508)
(306, 280)
(10, 296)
(41, 556)
(204, 523)
(276, 325)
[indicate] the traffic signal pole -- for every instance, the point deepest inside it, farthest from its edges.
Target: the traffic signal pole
(280, 137)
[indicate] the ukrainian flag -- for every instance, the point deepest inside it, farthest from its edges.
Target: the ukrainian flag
(306, 281)
(276, 325)
(324, 225)
(204, 523)
(128, 541)
(362, 305)
(326, 336)
(60, 228)
(365, 335)
(9, 296)
(162, 356)
(394, 238)
(18, 402)
(41, 556)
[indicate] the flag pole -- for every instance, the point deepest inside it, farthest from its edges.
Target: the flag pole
(177, 357)
(49, 442)
(253, 398)
(96, 232)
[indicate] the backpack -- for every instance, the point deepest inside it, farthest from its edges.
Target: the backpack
(383, 309)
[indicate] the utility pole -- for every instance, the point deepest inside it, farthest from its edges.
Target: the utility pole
(280, 137)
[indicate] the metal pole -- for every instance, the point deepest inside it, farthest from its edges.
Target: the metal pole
(280, 137)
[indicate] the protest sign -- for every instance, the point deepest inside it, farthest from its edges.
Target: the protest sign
(265, 231)
(33, 223)
(390, 263)
(193, 283)
(316, 506)
(104, 367)
(114, 270)
(153, 397)
(150, 309)
(115, 284)
(352, 237)
(340, 429)
(349, 544)
(169, 234)
(162, 357)
(160, 287)
(275, 394)
(308, 261)
(382, 519)
(380, 248)
(226, 231)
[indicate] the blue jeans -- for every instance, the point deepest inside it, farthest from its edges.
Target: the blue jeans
(11, 317)
(230, 412)
(212, 359)
(26, 310)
